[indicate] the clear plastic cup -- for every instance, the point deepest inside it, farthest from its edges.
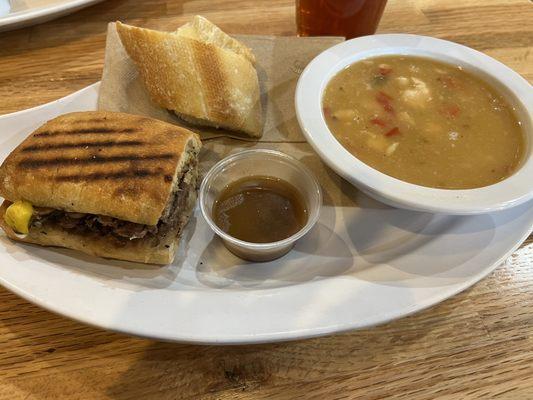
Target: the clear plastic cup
(266, 163)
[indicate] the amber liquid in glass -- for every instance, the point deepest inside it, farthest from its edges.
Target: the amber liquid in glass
(348, 18)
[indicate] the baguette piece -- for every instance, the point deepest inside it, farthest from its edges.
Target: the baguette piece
(204, 76)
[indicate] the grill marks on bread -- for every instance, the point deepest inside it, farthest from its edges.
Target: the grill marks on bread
(94, 159)
(88, 131)
(213, 81)
(78, 152)
(97, 176)
(63, 146)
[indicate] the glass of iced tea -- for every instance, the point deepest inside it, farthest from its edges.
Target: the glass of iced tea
(348, 18)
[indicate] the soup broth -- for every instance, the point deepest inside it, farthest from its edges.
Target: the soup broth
(424, 122)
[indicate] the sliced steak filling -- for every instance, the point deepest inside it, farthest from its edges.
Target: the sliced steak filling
(175, 215)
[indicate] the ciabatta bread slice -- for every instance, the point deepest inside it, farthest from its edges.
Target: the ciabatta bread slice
(202, 75)
(98, 162)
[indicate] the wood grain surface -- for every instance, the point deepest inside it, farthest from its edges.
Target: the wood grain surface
(477, 345)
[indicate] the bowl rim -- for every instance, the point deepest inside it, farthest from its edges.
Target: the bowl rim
(509, 192)
(313, 216)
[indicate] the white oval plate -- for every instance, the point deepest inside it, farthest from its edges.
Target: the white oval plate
(16, 14)
(358, 267)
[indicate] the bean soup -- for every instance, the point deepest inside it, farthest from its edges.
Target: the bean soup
(424, 122)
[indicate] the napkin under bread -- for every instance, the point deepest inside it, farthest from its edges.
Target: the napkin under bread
(279, 62)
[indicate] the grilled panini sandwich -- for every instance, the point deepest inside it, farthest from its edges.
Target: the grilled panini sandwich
(108, 184)
(200, 73)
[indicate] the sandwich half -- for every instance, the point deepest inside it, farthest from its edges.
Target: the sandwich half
(107, 184)
(204, 76)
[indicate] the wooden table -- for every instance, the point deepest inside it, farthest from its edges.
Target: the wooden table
(477, 345)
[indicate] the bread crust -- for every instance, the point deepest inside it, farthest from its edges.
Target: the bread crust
(120, 165)
(203, 30)
(197, 79)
